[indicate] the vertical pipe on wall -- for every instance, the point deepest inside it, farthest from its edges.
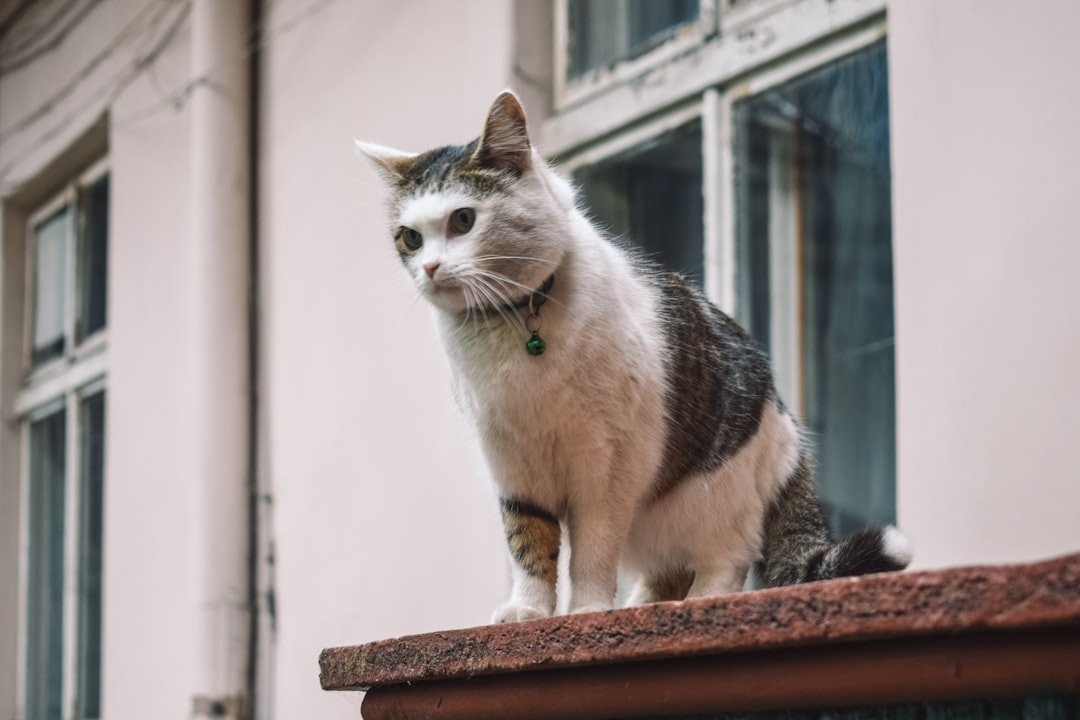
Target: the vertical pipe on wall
(220, 192)
(260, 540)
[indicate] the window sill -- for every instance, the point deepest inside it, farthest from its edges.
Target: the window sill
(983, 632)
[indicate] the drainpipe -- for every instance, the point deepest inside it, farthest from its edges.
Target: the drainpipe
(219, 243)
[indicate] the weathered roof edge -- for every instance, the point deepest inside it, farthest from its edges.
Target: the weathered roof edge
(908, 604)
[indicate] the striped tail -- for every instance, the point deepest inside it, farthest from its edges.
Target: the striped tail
(799, 548)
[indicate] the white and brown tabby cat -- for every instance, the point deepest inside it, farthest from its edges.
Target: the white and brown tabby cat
(609, 395)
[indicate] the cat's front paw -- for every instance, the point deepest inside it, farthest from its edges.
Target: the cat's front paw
(592, 607)
(513, 612)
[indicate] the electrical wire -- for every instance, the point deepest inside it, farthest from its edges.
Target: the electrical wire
(136, 26)
(14, 16)
(176, 99)
(142, 26)
(111, 91)
(34, 46)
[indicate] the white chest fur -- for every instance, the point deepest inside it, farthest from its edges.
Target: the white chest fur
(557, 428)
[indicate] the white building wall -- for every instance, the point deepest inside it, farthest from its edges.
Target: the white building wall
(384, 521)
(149, 622)
(985, 111)
(147, 617)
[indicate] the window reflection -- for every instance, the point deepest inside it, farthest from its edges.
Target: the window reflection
(813, 223)
(602, 31)
(651, 195)
(45, 577)
(49, 279)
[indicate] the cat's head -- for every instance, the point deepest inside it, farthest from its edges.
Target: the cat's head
(479, 225)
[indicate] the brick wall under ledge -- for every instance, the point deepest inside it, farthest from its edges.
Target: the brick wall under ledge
(956, 634)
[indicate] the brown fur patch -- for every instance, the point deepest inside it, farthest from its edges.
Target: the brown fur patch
(533, 536)
(672, 585)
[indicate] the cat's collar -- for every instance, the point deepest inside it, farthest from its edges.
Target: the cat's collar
(535, 345)
(535, 299)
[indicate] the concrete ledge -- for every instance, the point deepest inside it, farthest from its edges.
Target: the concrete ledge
(896, 606)
(1007, 636)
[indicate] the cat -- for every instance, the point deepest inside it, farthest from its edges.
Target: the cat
(609, 396)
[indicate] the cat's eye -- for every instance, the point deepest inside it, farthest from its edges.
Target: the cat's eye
(411, 239)
(461, 220)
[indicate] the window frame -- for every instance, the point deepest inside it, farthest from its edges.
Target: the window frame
(63, 383)
(615, 145)
(750, 39)
(760, 45)
(568, 91)
(82, 359)
(785, 287)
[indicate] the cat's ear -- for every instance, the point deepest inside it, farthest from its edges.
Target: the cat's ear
(505, 142)
(394, 164)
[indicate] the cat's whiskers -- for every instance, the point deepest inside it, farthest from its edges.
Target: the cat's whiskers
(500, 293)
(416, 296)
(554, 264)
(504, 281)
(527, 258)
(500, 303)
(470, 300)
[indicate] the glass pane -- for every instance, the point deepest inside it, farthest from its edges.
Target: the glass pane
(93, 254)
(652, 195)
(88, 668)
(45, 576)
(814, 225)
(50, 270)
(602, 31)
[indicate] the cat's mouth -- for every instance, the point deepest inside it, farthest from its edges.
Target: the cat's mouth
(446, 289)
(450, 294)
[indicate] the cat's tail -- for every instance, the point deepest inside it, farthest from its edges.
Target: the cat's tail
(798, 546)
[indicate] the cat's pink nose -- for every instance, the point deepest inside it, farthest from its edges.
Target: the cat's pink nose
(430, 269)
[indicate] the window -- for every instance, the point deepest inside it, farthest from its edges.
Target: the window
(45, 585)
(69, 306)
(652, 194)
(62, 406)
(602, 41)
(814, 243)
(754, 157)
(602, 31)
